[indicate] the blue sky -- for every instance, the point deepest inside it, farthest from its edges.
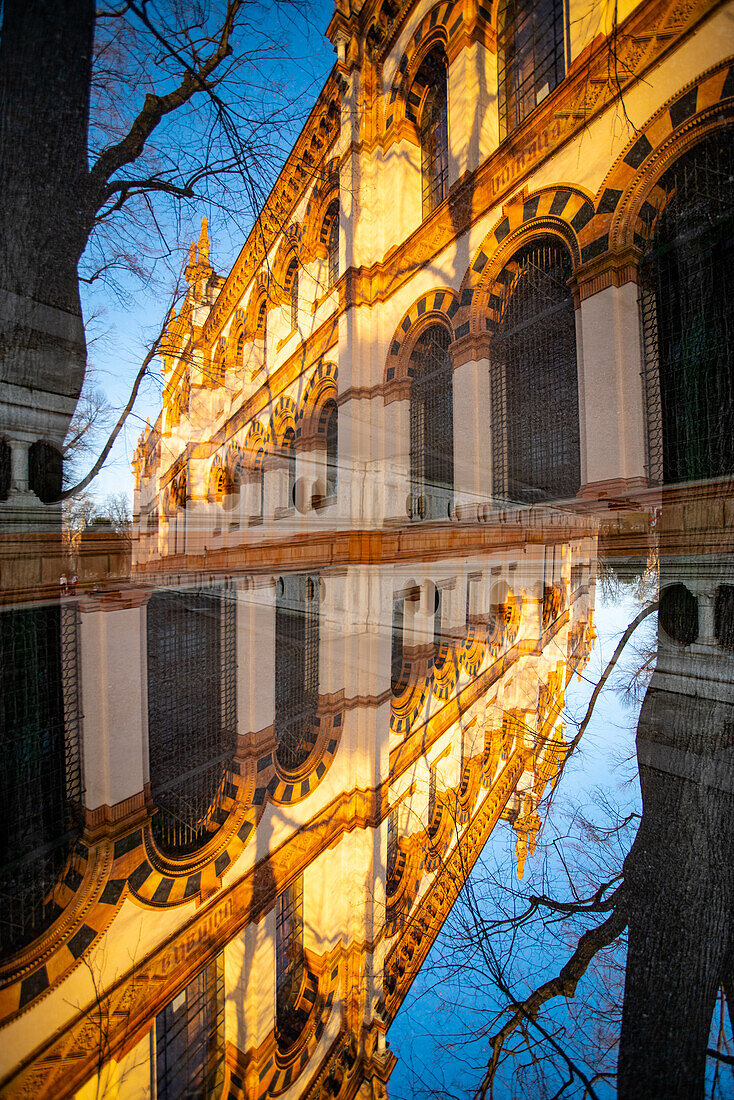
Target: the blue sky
(120, 328)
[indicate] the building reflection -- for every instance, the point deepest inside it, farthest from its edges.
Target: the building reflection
(241, 853)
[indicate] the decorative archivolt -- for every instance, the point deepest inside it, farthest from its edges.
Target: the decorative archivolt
(322, 386)
(439, 25)
(325, 190)
(627, 202)
(560, 211)
(438, 306)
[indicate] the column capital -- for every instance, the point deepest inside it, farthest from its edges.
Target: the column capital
(610, 269)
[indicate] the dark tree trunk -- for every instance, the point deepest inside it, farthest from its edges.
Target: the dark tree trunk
(45, 71)
(679, 877)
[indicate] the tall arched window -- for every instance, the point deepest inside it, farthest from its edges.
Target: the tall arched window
(398, 646)
(289, 953)
(329, 425)
(687, 289)
(240, 350)
(40, 772)
(189, 1038)
(289, 452)
(261, 336)
(530, 52)
(533, 378)
(192, 732)
(296, 667)
(292, 287)
(431, 84)
(331, 238)
(431, 426)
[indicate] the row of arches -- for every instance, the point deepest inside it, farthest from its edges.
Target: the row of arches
(526, 314)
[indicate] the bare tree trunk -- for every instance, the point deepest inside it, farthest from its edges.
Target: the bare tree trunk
(679, 886)
(45, 71)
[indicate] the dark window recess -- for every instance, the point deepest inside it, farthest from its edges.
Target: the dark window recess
(296, 667)
(189, 1039)
(40, 766)
(289, 957)
(392, 843)
(261, 336)
(438, 639)
(431, 427)
(191, 711)
(533, 380)
(724, 615)
(293, 294)
(431, 81)
(289, 452)
(679, 614)
(5, 469)
(45, 471)
(432, 793)
(396, 663)
(332, 241)
(530, 52)
(329, 423)
(686, 293)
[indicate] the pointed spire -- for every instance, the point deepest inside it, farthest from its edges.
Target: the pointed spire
(204, 242)
(192, 255)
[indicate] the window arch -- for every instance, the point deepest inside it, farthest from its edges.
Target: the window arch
(191, 712)
(431, 426)
(40, 769)
(331, 238)
(261, 336)
(240, 350)
(530, 52)
(289, 956)
(296, 667)
(397, 654)
(329, 425)
(292, 288)
(431, 82)
(687, 276)
(533, 378)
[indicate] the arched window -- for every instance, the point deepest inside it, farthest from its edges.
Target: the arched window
(296, 667)
(331, 237)
(687, 288)
(431, 426)
(533, 379)
(289, 452)
(240, 350)
(261, 336)
(431, 83)
(530, 37)
(432, 776)
(258, 502)
(40, 772)
(292, 287)
(289, 953)
(392, 842)
(329, 425)
(189, 1038)
(192, 732)
(397, 653)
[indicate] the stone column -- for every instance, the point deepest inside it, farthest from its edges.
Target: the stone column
(612, 417)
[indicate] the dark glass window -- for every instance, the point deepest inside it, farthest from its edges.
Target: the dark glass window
(432, 792)
(431, 81)
(40, 771)
(431, 426)
(289, 955)
(292, 282)
(289, 451)
(189, 1039)
(398, 619)
(296, 667)
(392, 842)
(687, 289)
(530, 56)
(330, 424)
(533, 379)
(5, 468)
(261, 336)
(438, 656)
(332, 240)
(191, 712)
